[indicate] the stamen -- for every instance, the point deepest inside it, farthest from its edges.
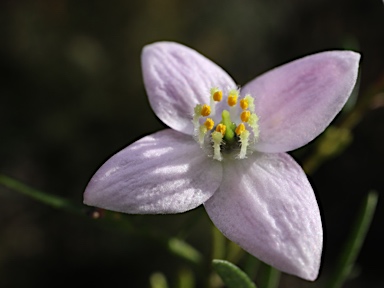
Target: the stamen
(244, 140)
(250, 102)
(209, 124)
(225, 132)
(244, 116)
(232, 97)
(216, 96)
(240, 129)
(244, 104)
(217, 139)
(205, 110)
(202, 131)
(197, 110)
(253, 122)
(221, 128)
(197, 115)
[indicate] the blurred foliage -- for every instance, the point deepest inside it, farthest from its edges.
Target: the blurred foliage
(72, 95)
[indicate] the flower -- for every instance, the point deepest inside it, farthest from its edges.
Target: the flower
(226, 150)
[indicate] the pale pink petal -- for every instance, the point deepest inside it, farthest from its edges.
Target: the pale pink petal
(165, 172)
(267, 206)
(297, 101)
(176, 79)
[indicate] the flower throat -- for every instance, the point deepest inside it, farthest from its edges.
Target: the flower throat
(233, 132)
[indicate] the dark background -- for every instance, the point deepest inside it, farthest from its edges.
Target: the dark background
(72, 95)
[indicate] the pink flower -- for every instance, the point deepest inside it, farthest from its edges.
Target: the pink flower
(226, 150)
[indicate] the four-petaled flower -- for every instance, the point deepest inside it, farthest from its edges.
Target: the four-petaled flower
(226, 150)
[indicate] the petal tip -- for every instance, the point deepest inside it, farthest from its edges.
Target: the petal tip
(91, 194)
(349, 60)
(352, 57)
(309, 272)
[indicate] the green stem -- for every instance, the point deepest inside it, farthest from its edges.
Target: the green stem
(218, 244)
(50, 200)
(175, 245)
(251, 266)
(270, 277)
(354, 241)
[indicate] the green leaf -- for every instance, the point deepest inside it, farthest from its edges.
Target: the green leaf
(232, 275)
(354, 241)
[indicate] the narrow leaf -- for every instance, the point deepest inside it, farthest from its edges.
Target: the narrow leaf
(232, 276)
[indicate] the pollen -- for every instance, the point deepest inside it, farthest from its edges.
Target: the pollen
(205, 110)
(217, 96)
(221, 128)
(240, 129)
(209, 124)
(232, 97)
(232, 100)
(244, 116)
(244, 104)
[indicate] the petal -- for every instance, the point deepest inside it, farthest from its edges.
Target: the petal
(176, 79)
(297, 101)
(267, 206)
(165, 172)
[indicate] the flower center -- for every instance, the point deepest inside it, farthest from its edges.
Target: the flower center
(231, 129)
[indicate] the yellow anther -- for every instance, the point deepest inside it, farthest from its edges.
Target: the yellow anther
(232, 100)
(205, 110)
(244, 103)
(221, 128)
(245, 116)
(209, 124)
(232, 97)
(240, 129)
(218, 95)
